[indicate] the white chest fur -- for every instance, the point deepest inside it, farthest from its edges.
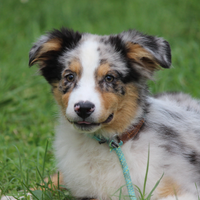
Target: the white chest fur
(90, 169)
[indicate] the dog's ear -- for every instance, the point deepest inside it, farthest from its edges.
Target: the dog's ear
(46, 51)
(146, 53)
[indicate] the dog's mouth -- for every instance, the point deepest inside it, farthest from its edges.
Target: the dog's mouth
(88, 126)
(109, 119)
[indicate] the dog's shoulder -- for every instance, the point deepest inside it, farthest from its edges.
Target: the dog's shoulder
(174, 118)
(180, 99)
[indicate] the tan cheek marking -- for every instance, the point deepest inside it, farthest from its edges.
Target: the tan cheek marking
(61, 99)
(65, 100)
(141, 56)
(110, 103)
(168, 187)
(124, 108)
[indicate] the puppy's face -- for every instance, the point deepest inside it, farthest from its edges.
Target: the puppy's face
(92, 88)
(99, 80)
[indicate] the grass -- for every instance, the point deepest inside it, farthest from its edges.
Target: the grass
(27, 109)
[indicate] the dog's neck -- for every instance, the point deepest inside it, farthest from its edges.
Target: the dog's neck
(124, 137)
(132, 132)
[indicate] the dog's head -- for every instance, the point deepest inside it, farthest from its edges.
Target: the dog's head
(99, 81)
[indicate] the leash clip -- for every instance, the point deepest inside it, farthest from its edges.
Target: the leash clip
(114, 142)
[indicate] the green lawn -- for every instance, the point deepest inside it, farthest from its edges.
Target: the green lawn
(27, 109)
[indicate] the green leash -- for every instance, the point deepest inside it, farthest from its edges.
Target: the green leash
(114, 145)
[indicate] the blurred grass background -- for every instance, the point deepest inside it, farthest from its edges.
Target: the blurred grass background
(27, 109)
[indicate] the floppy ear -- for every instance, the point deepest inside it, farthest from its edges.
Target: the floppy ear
(43, 50)
(146, 53)
(47, 50)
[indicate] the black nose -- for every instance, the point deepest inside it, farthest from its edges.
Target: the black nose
(84, 109)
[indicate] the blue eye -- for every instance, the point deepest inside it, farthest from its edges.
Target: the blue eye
(109, 78)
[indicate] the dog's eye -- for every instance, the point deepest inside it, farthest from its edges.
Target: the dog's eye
(70, 77)
(109, 79)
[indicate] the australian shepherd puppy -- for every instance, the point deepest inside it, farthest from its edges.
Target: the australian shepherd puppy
(99, 83)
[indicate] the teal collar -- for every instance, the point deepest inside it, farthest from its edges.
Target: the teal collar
(116, 140)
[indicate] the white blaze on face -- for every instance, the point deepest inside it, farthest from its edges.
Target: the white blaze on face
(85, 90)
